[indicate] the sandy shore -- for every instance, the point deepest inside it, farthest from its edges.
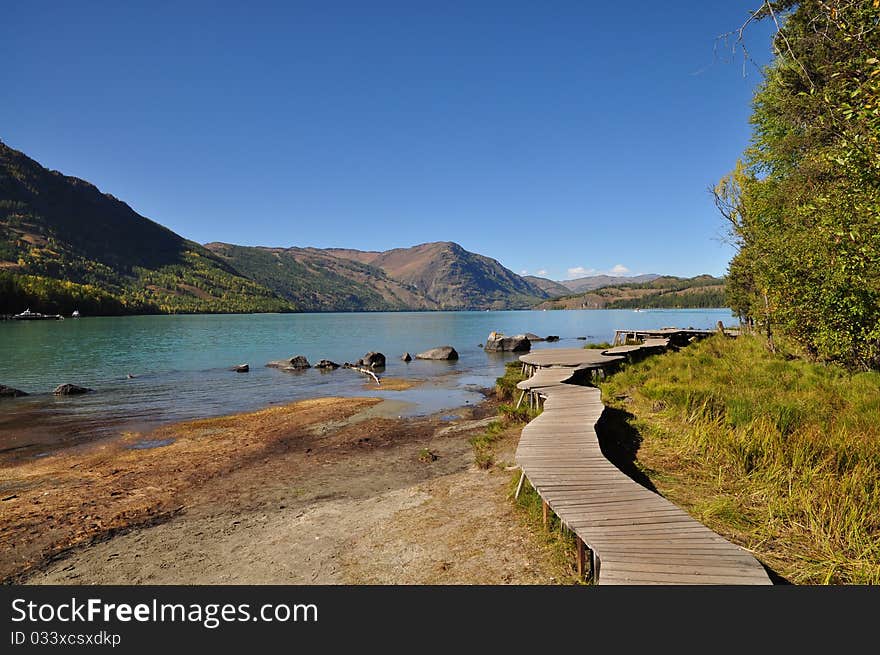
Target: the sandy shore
(332, 490)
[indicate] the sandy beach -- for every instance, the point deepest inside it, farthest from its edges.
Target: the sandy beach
(323, 491)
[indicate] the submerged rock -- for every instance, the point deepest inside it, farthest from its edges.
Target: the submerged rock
(327, 364)
(297, 363)
(440, 352)
(372, 360)
(499, 343)
(9, 392)
(70, 390)
(552, 337)
(241, 368)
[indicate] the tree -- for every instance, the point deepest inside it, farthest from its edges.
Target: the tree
(804, 204)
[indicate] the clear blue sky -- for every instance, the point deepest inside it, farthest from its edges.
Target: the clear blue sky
(561, 137)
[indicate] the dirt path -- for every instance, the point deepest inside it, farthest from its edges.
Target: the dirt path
(342, 499)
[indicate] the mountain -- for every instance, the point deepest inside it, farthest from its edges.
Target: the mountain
(661, 292)
(315, 280)
(450, 276)
(66, 245)
(551, 288)
(584, 284)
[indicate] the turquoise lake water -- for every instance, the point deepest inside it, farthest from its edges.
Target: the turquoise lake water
(180, 364)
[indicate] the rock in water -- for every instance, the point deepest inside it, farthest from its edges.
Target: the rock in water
(241, 368)
(372, 360)
(297, 363)
(534, 337)
(440, 352)
(9, 392)
(406, 357)
(70, 390)
(552, 337)
(327, 364)
(499, 343)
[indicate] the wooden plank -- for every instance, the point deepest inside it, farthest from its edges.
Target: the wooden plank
(638, 536)
(743, 570)
(673, 578)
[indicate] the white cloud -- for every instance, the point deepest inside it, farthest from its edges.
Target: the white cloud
(580, 271)
(542, 272)
(524, 272)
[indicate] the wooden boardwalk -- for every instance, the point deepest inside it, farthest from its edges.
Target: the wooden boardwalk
(636, 536)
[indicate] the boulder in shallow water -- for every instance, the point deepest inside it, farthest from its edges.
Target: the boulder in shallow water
(551, 338)
(327, 364)
(9, 392)
(531, 336)
(70, 390)
(499, 343)
(241, 368)
(440, 353)
(372, 360)
(406, 357)
(297, 363)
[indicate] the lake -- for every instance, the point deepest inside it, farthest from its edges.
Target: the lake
(181, 364)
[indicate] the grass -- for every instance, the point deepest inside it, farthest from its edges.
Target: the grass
(779, 454)
(484, 451)
(602, 345)
(427, 456)
(508, 415)
(505, 386)
(560, 542)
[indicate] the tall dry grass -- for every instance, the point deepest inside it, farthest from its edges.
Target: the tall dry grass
(778, 453)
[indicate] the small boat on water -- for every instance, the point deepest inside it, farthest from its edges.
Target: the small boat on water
(28, 315)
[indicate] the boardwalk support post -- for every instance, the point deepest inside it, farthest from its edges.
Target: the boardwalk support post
(544, 508)
(519, 485)
(581, 558)
(519, 402)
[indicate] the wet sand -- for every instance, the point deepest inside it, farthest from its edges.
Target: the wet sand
(330, 490)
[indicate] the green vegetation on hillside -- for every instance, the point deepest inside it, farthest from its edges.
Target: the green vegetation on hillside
(663, 292)
(669, 292)
(311, 281)
(66, 245)
(49, 296)
(779, 454)
(804, 205)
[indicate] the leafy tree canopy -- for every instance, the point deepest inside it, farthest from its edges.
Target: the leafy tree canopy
(804, 202)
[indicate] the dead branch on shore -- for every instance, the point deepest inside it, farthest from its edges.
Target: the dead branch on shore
(365, 371)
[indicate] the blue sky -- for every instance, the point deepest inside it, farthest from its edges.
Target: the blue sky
(561, 138)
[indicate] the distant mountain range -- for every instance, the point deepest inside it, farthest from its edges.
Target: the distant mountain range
(665, 291)
(65, 245)
(440, 275)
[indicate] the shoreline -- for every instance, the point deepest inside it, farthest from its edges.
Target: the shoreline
(210, 488)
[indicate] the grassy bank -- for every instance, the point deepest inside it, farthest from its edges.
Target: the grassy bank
(776, 453)
(509, 418)
(560, 542)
